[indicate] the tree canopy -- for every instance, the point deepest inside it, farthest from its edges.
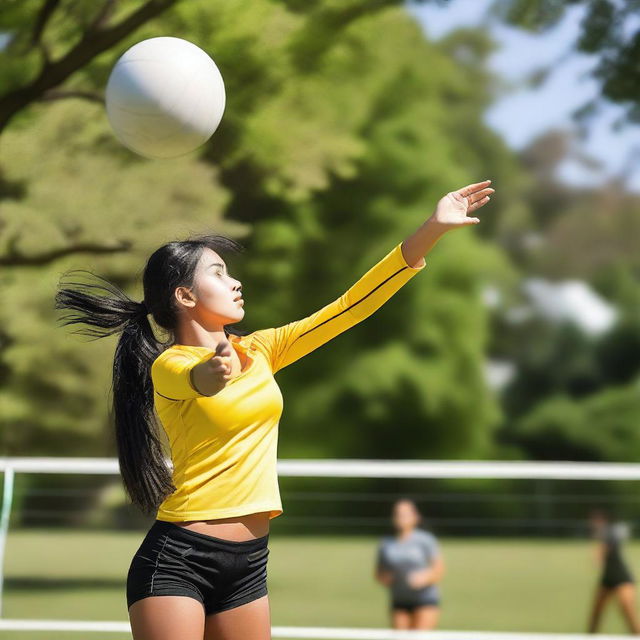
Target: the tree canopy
(336, 142)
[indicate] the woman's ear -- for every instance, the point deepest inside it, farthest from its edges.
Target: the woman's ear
(185, 297)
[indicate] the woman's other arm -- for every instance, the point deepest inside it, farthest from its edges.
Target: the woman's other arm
(430, 575)
(382, 573)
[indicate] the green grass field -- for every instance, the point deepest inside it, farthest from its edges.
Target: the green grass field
(491, 585)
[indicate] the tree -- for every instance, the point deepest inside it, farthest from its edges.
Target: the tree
(326, 157)
(57, 49)
(53, 386)
(93, 31)
(602, 428)
(48, 41)
(582, 232)
(609, 29)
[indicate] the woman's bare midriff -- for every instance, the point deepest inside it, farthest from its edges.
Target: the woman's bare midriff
(238, 528)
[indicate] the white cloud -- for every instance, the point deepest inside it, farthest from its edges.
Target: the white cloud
(571, 300)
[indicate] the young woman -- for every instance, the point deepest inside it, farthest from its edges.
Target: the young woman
(200, 571)
(616, 578)
(410, 564)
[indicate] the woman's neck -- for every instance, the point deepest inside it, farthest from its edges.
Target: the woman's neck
(194, 334)
(403, 535)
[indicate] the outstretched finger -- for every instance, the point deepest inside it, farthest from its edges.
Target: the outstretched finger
(477, 205)
(479, 195)
(472, 188)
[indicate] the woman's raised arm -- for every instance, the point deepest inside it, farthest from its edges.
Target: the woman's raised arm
(288, 343)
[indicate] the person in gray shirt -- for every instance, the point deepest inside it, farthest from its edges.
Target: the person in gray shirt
(616, 580)
(410, 564)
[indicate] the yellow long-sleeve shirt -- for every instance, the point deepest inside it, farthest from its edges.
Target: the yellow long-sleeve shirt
(224, 447)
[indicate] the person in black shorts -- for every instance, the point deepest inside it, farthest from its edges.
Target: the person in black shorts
(616, 578)
(410, 564)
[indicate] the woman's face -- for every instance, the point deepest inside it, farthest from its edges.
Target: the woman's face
(405, 515)
(217, 294)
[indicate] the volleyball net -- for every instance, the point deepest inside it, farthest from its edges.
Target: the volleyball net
(514, 537)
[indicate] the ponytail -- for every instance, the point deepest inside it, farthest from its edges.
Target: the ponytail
(103, 309)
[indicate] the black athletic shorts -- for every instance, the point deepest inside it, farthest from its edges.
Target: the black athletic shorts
(412, 606)
(615, 573)
(176, 561)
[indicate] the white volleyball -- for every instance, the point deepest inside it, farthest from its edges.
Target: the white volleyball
(165, 97)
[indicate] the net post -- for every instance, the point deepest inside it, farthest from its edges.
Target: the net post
(7, 497)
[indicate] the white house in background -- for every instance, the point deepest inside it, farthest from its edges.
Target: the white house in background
(571, 300)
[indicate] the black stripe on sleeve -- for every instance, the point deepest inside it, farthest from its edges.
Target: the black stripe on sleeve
(354, 304)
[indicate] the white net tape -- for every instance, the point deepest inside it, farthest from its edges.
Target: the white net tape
(300, 633)
(374, 468)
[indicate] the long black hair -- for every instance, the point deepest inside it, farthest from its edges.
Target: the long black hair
(103, 309)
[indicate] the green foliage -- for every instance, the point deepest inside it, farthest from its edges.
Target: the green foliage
(54, 391)
(604, 427)
(326, 158)
(550, 359)
(581, 233)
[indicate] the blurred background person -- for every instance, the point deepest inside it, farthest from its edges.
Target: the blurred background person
(616, 577)
(410, 564)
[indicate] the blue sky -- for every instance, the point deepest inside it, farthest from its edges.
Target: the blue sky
(522, 113)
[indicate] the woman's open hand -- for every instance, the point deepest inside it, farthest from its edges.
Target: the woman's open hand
(454, 208)
(451, 212)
